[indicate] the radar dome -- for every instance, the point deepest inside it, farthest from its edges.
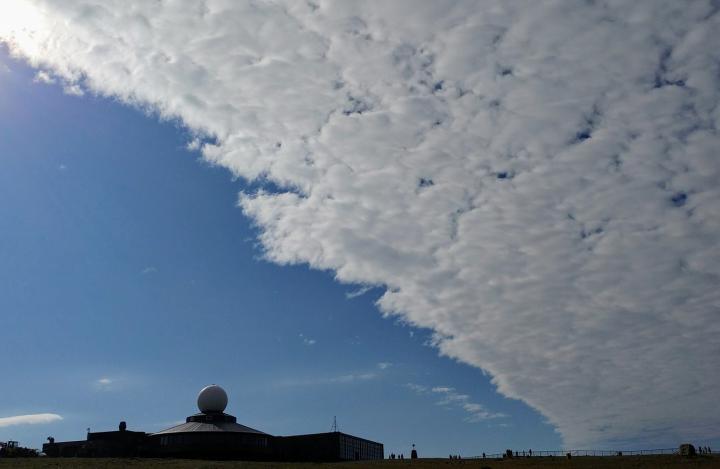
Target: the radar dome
(212, 398)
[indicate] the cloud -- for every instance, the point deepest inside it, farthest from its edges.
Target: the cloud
(73, 90)
(31, 419)
(359, 292)
(104, 384)
(350, 378)
(535, 182)
(148, 270)
(307, 340)
(44, 77)
(452, 399)
(384, 365)
(418, 388)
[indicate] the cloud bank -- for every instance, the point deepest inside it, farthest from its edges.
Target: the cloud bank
(31, 419)
(534, 181)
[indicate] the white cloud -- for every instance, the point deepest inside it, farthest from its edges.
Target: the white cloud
(104, 384)
(450, 398)
(307, 340)
(384, 365)
(536, 182)
(73, 90)
(44, 77)
(31, 419)
(356, 293)
(148, 270)
(349, 378)
(418, 388)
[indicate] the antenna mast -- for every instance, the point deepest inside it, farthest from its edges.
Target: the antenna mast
(334, 427)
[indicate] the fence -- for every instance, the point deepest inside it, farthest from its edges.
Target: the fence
(580, 453)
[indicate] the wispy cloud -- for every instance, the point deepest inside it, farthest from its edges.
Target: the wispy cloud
(349, 378)
(148, 270)
(359, 292)
(30, 419)
(352, 378)
(307, 340)
(73, 89)
(384, 365)
(418, 388)
(104, 384)
(449, 397)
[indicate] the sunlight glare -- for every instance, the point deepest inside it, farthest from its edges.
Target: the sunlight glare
(21, 24)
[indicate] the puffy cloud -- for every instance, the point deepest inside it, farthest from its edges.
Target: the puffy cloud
(536, 182)
(30, 419)
(44, 77)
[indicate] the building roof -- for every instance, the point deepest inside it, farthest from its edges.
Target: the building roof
(209, 423)
(188, 427)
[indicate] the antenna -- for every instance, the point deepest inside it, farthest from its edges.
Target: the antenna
(334, 427)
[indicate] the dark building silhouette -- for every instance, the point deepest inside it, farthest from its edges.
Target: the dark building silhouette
(213, 434)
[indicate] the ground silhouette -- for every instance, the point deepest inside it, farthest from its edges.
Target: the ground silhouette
(634, 462)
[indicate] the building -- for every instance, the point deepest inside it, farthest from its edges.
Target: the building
(120, 443)
(213, 434)
(332, 446)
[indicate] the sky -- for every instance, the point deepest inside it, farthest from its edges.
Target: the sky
(466, 225)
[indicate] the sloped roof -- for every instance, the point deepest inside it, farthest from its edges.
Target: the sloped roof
(188, 427)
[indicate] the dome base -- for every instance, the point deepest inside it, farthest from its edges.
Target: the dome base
(212, 417)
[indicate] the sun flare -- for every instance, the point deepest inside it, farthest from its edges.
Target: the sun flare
(21, 24)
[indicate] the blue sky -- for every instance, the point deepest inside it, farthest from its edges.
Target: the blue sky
(126, 259)
(530, 189)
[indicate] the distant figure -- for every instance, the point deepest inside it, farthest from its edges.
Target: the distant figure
(483, 455)
(530, 452)
(392, 455)
(122, 426)
(686, 449)
(413, 453)
(568, 455)
(523, 453)
(516, 454)
(51, 440)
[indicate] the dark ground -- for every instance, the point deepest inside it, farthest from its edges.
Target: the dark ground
(634, 462)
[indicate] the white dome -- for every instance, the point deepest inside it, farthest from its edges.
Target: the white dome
(212, 398)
